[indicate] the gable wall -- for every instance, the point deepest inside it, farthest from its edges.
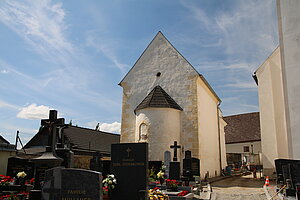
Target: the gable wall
(177, 78)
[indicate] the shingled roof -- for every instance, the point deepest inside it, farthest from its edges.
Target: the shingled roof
(158, 98)
(80, 138)
(89, 139)
(242, 128)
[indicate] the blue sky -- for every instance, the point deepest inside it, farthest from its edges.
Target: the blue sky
(71, 55)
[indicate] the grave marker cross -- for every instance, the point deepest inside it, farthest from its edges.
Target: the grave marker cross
(51, 124)
(175, 147)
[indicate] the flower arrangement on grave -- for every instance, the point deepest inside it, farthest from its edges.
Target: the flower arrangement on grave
(152, 175)
(161, 176)
(157, 194)
(19, 196)
(20, 178)
(5, 180)
(182, 193)
(172, 184)
(109, 183)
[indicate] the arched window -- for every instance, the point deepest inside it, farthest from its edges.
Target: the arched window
(143, 132)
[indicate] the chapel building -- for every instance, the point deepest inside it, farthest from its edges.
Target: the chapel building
(166, 100)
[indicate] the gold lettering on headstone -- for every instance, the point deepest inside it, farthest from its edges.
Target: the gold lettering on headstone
(76, 191)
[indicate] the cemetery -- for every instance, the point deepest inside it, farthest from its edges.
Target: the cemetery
(131, 175)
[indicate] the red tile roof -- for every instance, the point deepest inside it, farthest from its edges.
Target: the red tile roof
(242, 128)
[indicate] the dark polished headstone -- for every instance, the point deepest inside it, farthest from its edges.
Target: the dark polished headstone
(16, 164)
(130, 167)
(67, 184)
(174, 173)
(187, 165)
(196, 167)
(155, 166)
(95, 163)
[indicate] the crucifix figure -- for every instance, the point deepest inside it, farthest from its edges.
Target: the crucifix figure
(175, 147)
(52, 124)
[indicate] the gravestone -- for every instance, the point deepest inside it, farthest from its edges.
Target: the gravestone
(155, 166)
(130, 167)
(187, 165)
(196, 167)
(174, 173)
(167, 160)
(17, 164)
(96, 163)
(72, 184)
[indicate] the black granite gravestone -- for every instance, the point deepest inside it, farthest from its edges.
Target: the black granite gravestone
(130, 167)
(95, 163)
(196, 167)
(155, 166)
(187, 165)
(280, 162)
(174, 173)
(16, 164)
(71, 184)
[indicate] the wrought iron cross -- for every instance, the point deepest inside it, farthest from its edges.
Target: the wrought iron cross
(175, 147)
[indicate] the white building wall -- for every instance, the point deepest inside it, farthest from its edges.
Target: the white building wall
(289, 37)
(164, 129)
(209, 150)
(239, 147)
(272, 112)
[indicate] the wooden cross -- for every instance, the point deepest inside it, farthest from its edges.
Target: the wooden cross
(175, 147)
(51, 124)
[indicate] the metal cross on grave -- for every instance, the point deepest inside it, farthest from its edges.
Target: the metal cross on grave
(175, 147)
(51, 124)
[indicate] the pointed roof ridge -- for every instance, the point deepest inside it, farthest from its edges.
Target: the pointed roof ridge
(200, 75)
(158, 98)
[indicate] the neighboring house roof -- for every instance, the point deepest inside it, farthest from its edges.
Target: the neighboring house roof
(80, 139)
(2, 140)
(158, 98)
(5, 145)
(89, 139)
(160, 35)
(242, 128)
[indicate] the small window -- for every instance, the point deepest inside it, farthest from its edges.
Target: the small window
(246, 149)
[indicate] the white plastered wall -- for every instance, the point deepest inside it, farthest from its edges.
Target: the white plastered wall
(209, 150)
(289, 38)
(272, 112)
(164, 129)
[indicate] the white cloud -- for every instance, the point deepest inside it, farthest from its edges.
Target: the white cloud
(40, 24)
(106, 47)
(34, 112)
(4, 104)
(114, 127)
(243, 85)
(3, 71)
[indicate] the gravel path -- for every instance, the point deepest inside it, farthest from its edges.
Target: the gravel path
(239, 188)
